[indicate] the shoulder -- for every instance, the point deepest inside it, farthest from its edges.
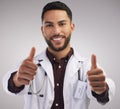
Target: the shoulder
(40, 56)
(79, 57)
(85, 60)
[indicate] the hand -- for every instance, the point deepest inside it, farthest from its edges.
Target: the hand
(26, 71)
(96, 77)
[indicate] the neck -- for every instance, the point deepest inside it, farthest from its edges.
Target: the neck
(60, 54)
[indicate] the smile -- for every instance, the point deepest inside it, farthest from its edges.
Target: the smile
(57, 38)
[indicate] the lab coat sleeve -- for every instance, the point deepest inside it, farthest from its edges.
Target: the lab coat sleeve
(111, 86)
(6, 78)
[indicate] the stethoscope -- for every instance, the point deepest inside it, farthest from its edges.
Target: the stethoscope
(32, 92)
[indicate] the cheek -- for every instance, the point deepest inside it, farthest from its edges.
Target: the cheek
(48, 32)
(45, 33)
(67, 31)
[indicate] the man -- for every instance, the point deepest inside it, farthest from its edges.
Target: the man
(58, 78)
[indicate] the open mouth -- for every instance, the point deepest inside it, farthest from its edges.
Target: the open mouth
(57, 38)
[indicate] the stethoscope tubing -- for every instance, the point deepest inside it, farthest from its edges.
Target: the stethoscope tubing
(30, 92)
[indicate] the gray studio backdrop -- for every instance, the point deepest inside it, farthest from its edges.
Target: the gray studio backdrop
(97, 31)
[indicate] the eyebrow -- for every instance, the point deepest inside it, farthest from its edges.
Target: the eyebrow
(46, 22)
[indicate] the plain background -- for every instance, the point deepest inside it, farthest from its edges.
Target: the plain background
(97, 31)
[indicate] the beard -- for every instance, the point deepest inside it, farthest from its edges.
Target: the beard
(66, 42)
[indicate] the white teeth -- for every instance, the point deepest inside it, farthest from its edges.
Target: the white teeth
(57, 39)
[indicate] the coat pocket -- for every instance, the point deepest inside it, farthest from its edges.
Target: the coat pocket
(80, 90)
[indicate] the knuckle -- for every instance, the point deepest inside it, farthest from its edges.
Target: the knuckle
(32, 78)
(89, 78)
(27, 82)
(100, 70)
(24, 62)
(91, 83)
(88, 72)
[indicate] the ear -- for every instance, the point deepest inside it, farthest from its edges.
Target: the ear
(72, 26)
(42, 30)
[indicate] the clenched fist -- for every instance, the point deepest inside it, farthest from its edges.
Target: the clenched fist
(26, 71)
(96, 77)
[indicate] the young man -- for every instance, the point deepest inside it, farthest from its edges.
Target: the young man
(58, 78)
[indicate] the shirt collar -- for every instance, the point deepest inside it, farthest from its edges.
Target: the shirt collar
(52, 58)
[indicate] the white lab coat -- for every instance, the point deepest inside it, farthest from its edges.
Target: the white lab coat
(77, 93)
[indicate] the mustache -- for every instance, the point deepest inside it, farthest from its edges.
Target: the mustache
(57, 36)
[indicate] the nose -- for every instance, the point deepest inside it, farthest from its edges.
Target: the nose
(57, 30)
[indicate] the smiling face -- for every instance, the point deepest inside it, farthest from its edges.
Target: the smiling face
(57, 28)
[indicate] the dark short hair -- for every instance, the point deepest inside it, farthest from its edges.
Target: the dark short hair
(56, 5)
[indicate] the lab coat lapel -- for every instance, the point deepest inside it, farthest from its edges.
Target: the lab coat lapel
(45, 63)
(74, 64)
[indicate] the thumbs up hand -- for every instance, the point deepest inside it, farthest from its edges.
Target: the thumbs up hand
(96, 77)
(32, 54)
(26, 71)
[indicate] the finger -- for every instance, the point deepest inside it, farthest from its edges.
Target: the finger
(93, 62)
(32, 54)
(29, 64)
(98, 84)
(99, 89)
(94, 78)
(96, 71)
(28, 71)
(24, 81)
(27, 76)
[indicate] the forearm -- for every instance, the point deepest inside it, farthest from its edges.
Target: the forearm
(102, 98)
(11, 86)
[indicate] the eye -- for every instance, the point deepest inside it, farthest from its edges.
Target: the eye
(49, 25)
(62, 24)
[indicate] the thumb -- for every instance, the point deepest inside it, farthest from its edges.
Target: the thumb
(93, 61)
(32, 54)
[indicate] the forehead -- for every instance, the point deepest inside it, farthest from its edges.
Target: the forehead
(55, 15)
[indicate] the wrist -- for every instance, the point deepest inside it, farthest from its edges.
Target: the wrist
(11, 85)
(16, 81)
